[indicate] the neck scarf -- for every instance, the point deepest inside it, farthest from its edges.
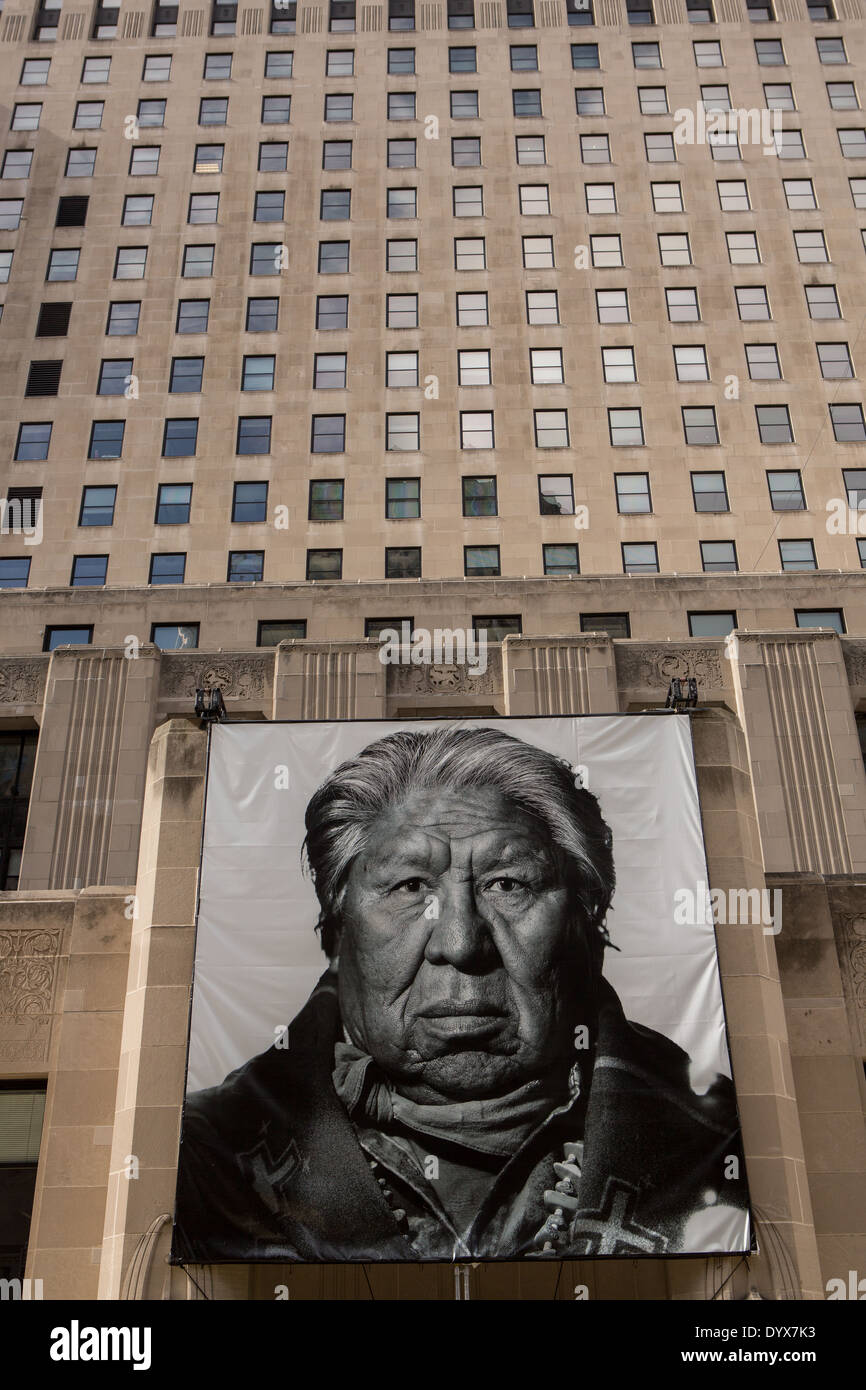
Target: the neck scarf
(497, 1126)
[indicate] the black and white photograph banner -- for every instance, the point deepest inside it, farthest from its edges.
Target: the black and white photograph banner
(446, 1005)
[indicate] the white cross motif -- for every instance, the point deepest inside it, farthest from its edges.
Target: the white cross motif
(611, 1231)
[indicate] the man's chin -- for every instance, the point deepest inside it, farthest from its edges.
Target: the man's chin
(470, 1076)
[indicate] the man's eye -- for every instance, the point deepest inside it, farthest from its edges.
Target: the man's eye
(507, 885)
(408, 885)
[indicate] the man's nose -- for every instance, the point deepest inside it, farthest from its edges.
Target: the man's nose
(460, 935)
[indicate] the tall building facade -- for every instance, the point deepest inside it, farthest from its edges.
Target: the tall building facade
(542, 321)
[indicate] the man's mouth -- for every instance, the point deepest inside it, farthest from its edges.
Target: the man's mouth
(468, 1018)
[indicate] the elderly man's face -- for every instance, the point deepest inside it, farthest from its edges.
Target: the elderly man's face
(464, 965)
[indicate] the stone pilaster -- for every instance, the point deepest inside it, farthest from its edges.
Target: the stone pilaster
(559, 675)
(88, 782)
(329, 680)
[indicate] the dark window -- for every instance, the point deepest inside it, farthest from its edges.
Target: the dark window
(88, 571)
(179, 438)
(71, 211)
(186, 375)
(401, 60)
(821, 617)
(328, 434)
(403, 562)
(14, 572)
(556, 494)
(333, 257)
(499, 626)
(97, 506)
(250, 502)
(479, 497)
(324, 564)
(461, 14)
(462, 60)
(374, 627)
(332, 311)
(33, 441)
(123, 318)
(23, 505)
(786, 490)
(254, 434)
(326, 499)
(66, 637)
(53, 321)
(480, 561)
(718, 556)
(115, 374)
(270, 634)
(797, 555)
(173, 504)
(246, 566)
(560, 559)
(106, 439)
(192, 315)
(640, 557)
(614, 624)
(262, 315)
(22, 1103)
(172, 637)
(402, 498)
(712, 624)
(167, 568)
(709, 492)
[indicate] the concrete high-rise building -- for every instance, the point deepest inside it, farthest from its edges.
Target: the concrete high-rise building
(539, 319)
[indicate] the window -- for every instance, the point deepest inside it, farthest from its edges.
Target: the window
(326, 499)
(479, 497)
(401, 60)
(835, 360)
(472, 311)
(769, 53)
(401, 311)
(66, 637)
(332, 311)
(774, 424)
(464, 106)
(779, 96)
(273, 156)
(555, 494)
(466, 152)
(545, 365)
(265, 257)
(337, 154)
(402, 202)
(43, 378)
(797, 555)
(192, 316)
(718, 557)
(197, 262)
(468, 202)
(403, 433)
(14, 573)
(763, 362)
(848, 424)
(560, 559)
(340, 62)
(709, 492)
(853, 143)
(401, 14)
(760, 11)
(733, 195)
(33, 441)
(324, 564)
(858, 192)
(786, 490)
(157, 68)
(26, 115)
(401, 105)
(172, 637)
(823, 302)
(600, 197)
(674, 248)
(612, 306)
(34, 72)
(285, 19)
(402, 499)
(254, 434)
(682, 305)
(208, 159)
(799, 193)
(470, 253)
(821, 617)
(329, 371)
(279, 64)
(646, 55)
(699, 424)
(700, 12)
(811, 246)
(712, 624)
(789, 144)
(114, 376)
(626, 427)
(831, 50)
(88, 114)
(333, 258)
(667, 197)
(708, 54)
(534, 199)
(167, 568)
(10, 213)
(589, 101)
(95, 70)
(481, 561)
(203, 208)
(271, 634)
(660, 148)
(246, 566)
(403, 562)
(752, 302)
(618, 364)
(742, 248)
(401, 369)
(523, 58)
(218, 67)
(529, 149)
(462, 60)
(143, 161)
(179, 438)
(137, 210)
(328, 434)
(16, 163)
(476, 429)
(640, 557)
(632, 493)
(595, 149)
(855, 487)
(335, 204)
(106, 439)
(542, 306)
(269, 207)
(257, 373)
(526, 101)
(173, 501)
(276, 110)
(88, 571)
(653, 101)
(606, 251)
(71, 211)
(691, 363)
(551, 429)
(401, 154)
(842, 96)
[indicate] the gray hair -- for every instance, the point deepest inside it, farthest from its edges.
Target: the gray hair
(342, 810)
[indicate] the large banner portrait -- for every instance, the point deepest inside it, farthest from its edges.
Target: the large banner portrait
(447, 1005)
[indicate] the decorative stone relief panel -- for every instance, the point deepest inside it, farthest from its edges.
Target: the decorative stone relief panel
(23, 682)
(239, 677)
(28, 978)
(653, 668)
